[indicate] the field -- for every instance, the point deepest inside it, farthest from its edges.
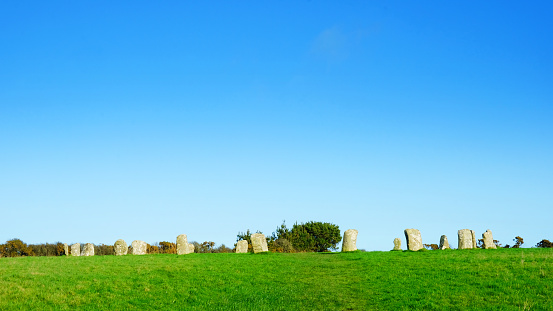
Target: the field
(503, 279)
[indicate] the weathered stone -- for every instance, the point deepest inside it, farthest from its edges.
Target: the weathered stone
(488, 240)
(259, 243)
(414, 239)
(66, 249)
(190, 248)
(242, 246)
(139, 247)
(76, 249)
(350, 240)
(444, 244)
(473, 233)
(465, 239)
(120, 247)
(182, 244)
(88, 250)
(397, 244)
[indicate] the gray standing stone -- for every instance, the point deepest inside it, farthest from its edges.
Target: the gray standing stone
(350, 240)
(120, 247)
(66, 249)
(488, 240)
(444, 244)
(259, 243)
(414, 239)
(465, 239)
(182, 244)
(139, 247)
(76, 249)
(242, 246)
(190, 248)
(397, 244)
(473, 233)
(88, 250)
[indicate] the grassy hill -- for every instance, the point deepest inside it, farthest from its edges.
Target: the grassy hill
(503, 279)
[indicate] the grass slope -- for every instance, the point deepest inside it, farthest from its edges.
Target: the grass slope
(505, 279)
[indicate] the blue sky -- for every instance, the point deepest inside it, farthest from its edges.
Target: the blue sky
(143, 120)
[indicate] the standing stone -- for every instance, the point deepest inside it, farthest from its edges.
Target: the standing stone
(473, 233)
(182, 244)
(76, 249)
(350, 240)
(259, 243)
(397, 244)
(414, 239)
(444, 244)
(465, 239)
(190, 248)
(120, 247)
(488, 240)
(139, 247)
(88, 250)
(242, 246)
(66, 249)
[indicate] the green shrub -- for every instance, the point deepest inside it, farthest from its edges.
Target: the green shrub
(311, 236)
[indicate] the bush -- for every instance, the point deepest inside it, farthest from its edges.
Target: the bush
(311, 236)
(102, 249)
(281, 246)
(222, 249)
(16, 248)
(544, 244)
(152, 249)
(47, 249)
(431, 247)
(167, 247)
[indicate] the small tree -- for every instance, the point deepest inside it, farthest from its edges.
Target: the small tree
(518, 242)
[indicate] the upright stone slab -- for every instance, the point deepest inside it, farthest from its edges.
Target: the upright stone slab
(242, 246)
(66, 249)
(444, 244)
(473, 233)
(182, 244)
(259, 243)
(397, 244)
(120, 247)
(190, 248)
(488, 240)
(139, 247)
(76, 249)
(88, 250)
(465, 239)
(350, 240)
(414, 239)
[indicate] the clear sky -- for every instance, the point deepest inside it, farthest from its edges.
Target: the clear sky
(148, 119)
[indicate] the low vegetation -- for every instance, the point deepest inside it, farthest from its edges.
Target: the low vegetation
(506, 279)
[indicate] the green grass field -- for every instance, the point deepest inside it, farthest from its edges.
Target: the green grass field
(504, 279)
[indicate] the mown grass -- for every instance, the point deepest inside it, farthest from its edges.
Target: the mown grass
(504, 279)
